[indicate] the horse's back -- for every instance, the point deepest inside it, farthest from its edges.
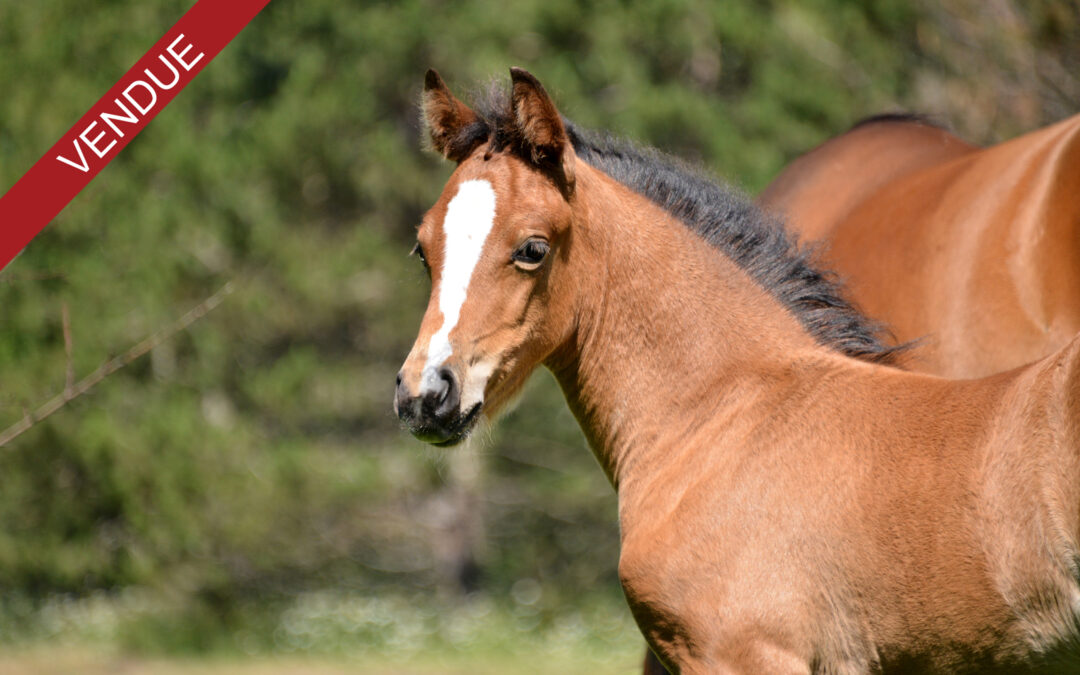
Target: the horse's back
(978, 251)
(820, 188)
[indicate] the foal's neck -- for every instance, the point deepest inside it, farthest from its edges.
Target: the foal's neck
(673, 335)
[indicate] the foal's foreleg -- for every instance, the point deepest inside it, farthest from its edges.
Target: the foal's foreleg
(652, 664)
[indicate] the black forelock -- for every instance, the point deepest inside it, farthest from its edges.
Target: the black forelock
(724, 218)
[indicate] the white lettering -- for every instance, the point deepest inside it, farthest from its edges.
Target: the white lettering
(128, 117)
(93, 143)
(175, 72)
(179, 57)
(132, 101)
(85, 166)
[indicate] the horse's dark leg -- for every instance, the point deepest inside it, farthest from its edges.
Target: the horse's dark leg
(653, 665)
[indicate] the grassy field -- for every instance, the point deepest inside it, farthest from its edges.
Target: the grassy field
(323, 633)
(66, 661)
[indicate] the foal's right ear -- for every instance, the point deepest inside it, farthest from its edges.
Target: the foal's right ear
(454, 128)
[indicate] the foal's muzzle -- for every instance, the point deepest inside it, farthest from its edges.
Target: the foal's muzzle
(434, 415)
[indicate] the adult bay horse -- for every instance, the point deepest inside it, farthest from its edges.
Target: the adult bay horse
(788, 502)
(976, 252)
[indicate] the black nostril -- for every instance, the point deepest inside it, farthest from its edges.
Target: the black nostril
(447, 379)
(449, 393)
(406, 404)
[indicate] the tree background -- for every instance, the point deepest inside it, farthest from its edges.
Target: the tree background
(245, 486)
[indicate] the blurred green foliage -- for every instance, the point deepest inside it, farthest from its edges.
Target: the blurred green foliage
(254, 458)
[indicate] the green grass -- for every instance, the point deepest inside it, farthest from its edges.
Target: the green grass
(66, 661)
(325, 632)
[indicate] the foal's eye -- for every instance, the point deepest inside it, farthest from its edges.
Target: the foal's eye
(418, 251)
(530, 254)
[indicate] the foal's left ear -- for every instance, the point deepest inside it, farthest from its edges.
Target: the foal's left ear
(541, 128)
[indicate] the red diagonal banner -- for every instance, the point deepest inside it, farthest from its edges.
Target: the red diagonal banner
(121, 114)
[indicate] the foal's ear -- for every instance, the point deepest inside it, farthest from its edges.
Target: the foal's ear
(455, 129)
(541, 127)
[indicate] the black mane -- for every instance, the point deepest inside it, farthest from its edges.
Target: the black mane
(725, 219)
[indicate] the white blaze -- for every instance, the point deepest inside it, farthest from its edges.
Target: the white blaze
(469, 218)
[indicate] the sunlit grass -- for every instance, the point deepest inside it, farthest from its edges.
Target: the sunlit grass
(65, 662)
(318, 633)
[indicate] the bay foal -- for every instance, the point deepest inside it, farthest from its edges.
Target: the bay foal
(787, 502)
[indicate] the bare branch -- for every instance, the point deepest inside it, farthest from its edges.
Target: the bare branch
(69, 375)
(112, 365)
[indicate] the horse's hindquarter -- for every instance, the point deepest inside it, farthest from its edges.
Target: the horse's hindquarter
(872, 533)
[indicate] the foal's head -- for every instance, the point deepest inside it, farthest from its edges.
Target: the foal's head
(494, 244)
